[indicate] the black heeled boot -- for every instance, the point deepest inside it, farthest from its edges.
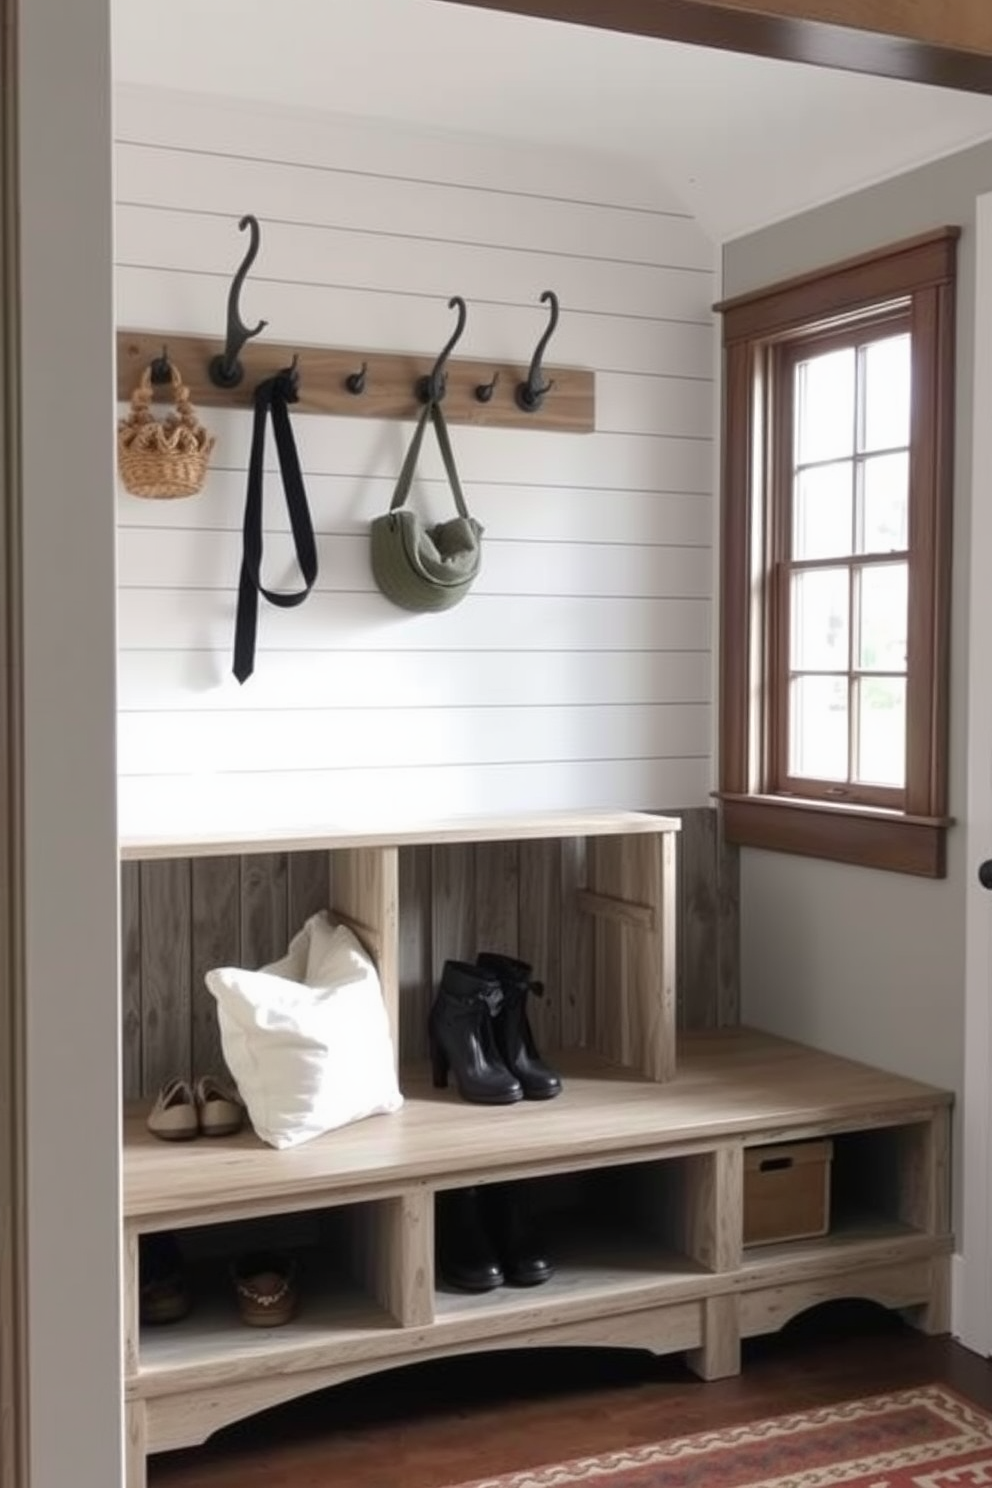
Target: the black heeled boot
(466, 1259)
(514, 1038)
(521, 1251)
(460, 1029)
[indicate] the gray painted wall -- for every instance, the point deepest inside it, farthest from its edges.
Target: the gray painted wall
(870, 964)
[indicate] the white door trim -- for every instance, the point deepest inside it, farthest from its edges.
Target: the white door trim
(972, 1300)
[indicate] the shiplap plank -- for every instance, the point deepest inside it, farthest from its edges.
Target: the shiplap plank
(327, 144)
(497, 898)
(204, 241)
(349, 738)
(374, 320)
(574, 512)
(301, 182)
(264, 909)
(163, 618)
(166, 938)
(216, 890)
(540, 943)
(152, 805)
(131, 1022)
(308, 887)
(453, 927)
(192, 558)
(416, 979)
(153, 681)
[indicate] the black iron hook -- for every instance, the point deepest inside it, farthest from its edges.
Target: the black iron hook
(430, 389)
(160, 369)
(225, 370)
(531, 394)
(485, 390)
(355, 381)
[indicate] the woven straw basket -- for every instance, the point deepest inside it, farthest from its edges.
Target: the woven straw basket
(167, 458)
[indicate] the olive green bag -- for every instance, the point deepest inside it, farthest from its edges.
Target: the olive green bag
(419, 567)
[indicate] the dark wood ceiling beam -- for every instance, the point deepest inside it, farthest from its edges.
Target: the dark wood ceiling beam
(923, 41)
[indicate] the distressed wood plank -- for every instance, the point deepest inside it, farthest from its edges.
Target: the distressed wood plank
(216, 887)
(264, 908)
(366, 891)
(131, 1021)
(309, 887)
(576, 948)
(697, 922)
(453, 925)
(390, 391)
(166, 1046)
(540, 936)
(497, 898)
(416, 987)
(728, 930)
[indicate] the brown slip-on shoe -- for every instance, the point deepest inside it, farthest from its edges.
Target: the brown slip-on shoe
(219, 1111)
(173, 1117)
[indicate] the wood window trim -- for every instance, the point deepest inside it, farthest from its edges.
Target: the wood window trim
(922, 271)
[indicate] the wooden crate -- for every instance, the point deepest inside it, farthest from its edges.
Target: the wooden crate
(786, 1192)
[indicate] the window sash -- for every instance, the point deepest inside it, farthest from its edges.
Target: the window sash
(781, 435)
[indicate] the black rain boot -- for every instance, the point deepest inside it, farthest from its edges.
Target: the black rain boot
(514, 1038)
(460, 1028)
(466, 1259)
(521, 1251)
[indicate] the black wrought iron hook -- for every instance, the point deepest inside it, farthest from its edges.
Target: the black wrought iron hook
(226, 370)
(430, 389)
(532, 393)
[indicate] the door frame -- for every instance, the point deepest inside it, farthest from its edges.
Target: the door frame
(972, 1292)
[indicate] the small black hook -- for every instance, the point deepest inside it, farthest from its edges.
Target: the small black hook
(531, 394)
(225, 370)
(355, 381)
(430, 389)
(160, 370)
(485, 390)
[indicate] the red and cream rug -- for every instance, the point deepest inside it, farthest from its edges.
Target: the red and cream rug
(925, 1438)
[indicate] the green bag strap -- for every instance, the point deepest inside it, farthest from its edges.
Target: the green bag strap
(432, 412)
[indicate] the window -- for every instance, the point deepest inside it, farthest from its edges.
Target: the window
(835, 549)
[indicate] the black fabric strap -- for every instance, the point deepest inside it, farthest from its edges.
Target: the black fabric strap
(272, 396)
(432, 412)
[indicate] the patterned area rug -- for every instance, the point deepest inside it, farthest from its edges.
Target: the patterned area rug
(926, 1438)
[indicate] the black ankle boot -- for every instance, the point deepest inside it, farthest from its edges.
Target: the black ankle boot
(465, 1255)
(521, 1252)
(514, 1038)
(460, 1028)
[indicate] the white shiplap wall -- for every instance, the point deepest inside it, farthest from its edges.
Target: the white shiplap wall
(578, 672)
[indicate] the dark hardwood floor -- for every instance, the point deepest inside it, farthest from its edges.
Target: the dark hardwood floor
(444, 1424)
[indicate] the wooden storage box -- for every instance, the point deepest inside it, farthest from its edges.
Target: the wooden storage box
(786, 1192)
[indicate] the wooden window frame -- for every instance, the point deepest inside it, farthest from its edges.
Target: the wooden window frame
(918, 278)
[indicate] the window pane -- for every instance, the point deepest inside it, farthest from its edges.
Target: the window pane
(883, 617)
(882, 731)
(887, 378)
(886, 504)
(825, 407)
(818, 734)
(822, 521)
(819, 630)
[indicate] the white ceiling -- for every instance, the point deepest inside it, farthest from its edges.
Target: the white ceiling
(743, 141)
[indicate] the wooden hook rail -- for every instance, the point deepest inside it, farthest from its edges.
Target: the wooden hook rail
(390, 382)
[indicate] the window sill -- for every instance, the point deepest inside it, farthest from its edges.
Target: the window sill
(841, 834)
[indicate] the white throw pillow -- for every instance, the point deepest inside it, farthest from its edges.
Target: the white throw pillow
(307, 1038)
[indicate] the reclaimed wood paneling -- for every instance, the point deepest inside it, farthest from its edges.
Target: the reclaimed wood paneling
(131, 980)
(181, 917)
(216, 942)
(166, 934)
